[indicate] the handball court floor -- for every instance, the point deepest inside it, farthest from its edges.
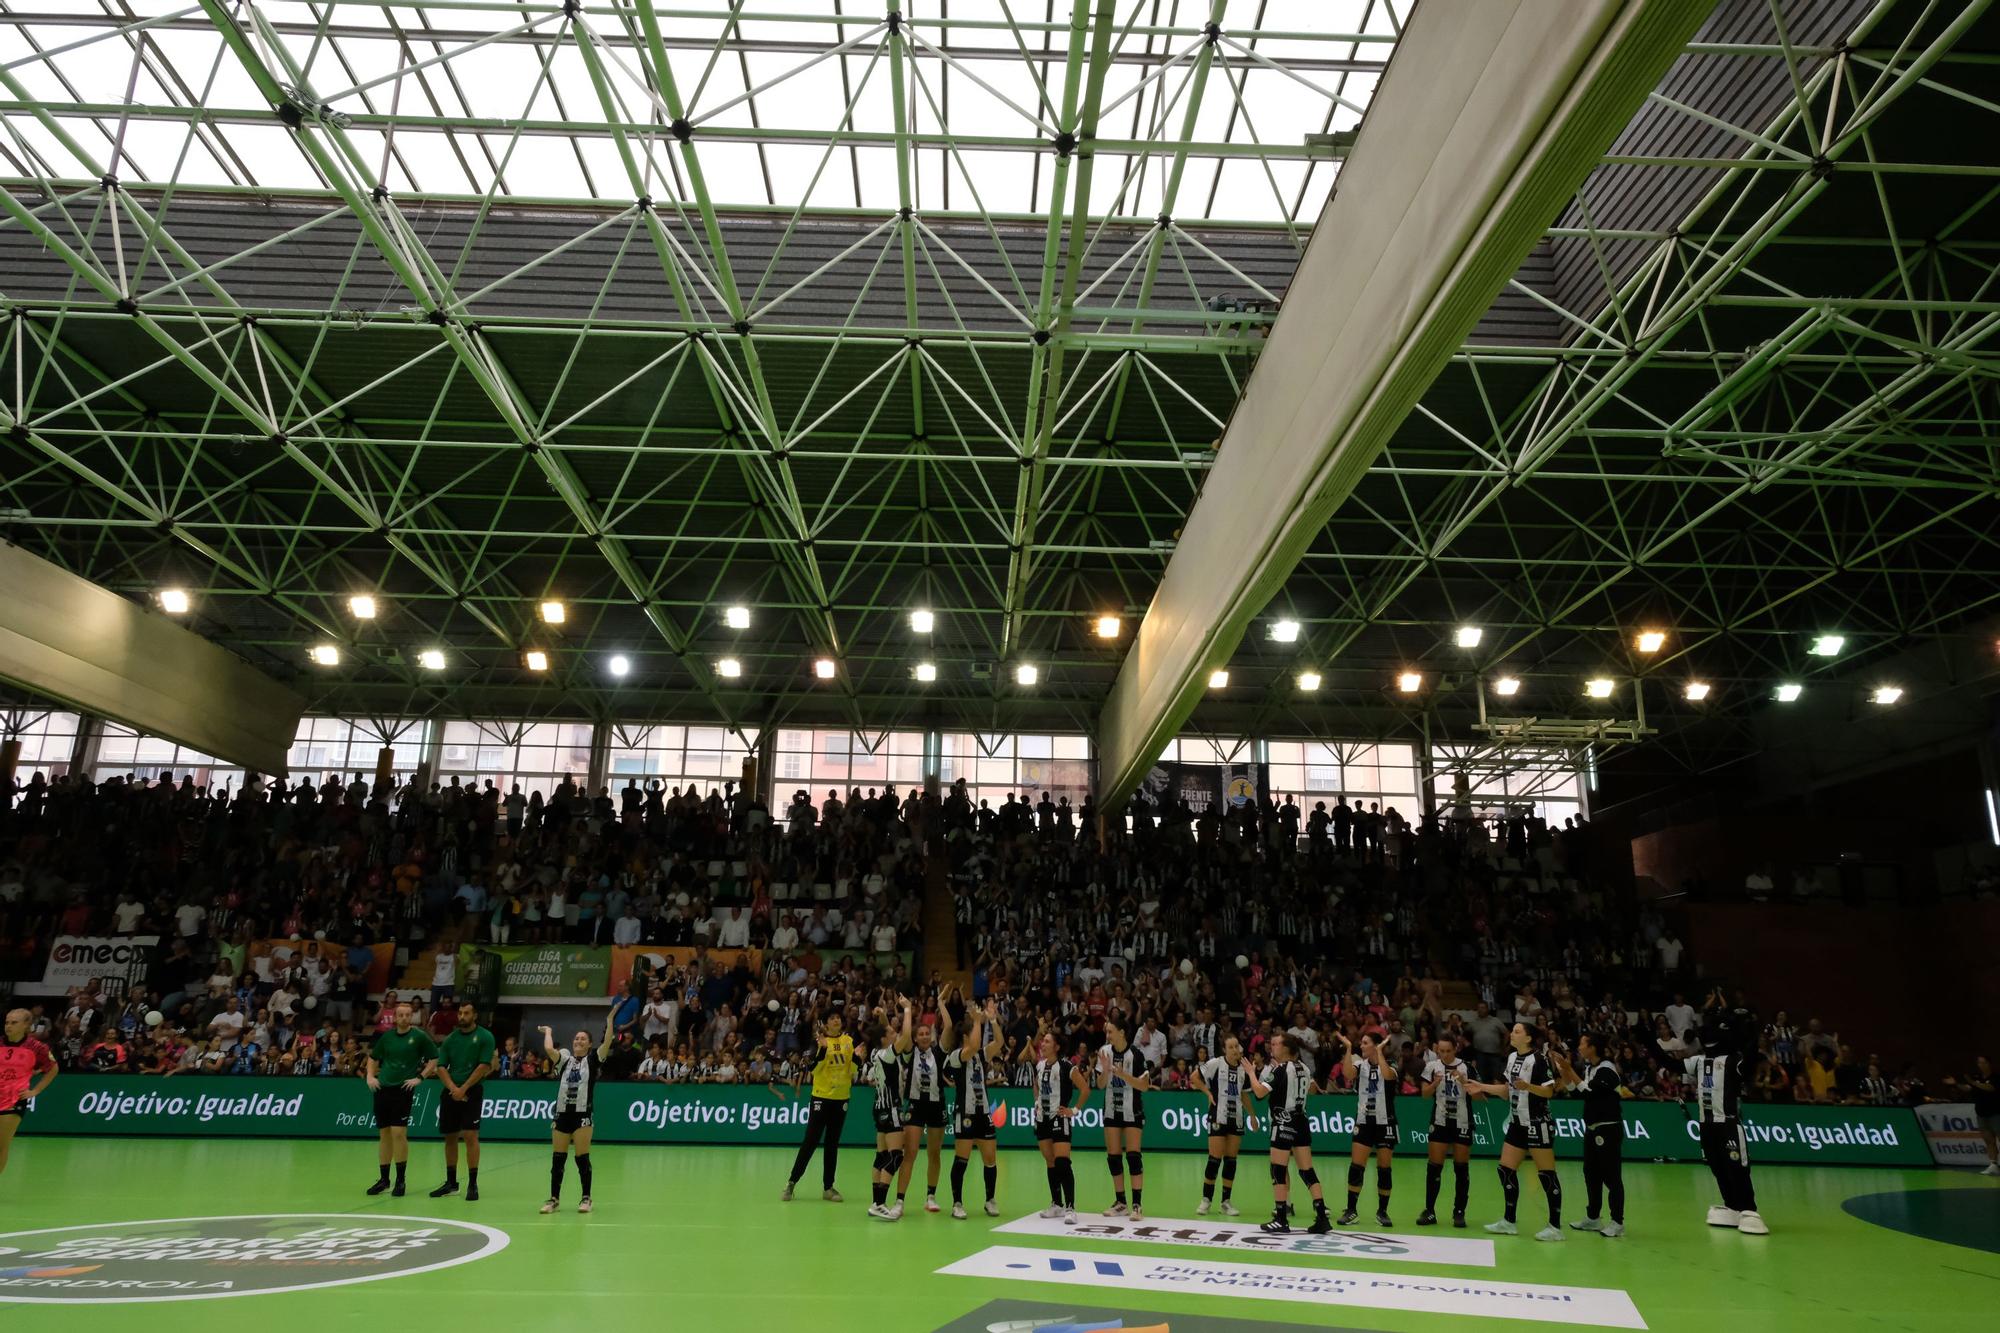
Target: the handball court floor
(696, 1238)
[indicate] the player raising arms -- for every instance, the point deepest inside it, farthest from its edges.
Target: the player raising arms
(578, 1066)
(1448, 1083)
(833, 1083)
(1054, 1077)
(1529, 1082)
(923, 1084)
(966, 1067)
(1124, 1074)
(885, 1076)
(1374, 1125)
(26, 1070)
(1221, 1080)
(395, 1066)
(465, 1058)
(1291, 1134)
(1715, 1080)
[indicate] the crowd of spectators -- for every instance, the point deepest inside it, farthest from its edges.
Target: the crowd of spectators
(1192, 925)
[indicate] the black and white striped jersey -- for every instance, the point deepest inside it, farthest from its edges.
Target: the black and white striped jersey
(1121, 1098)
(1289, 1081)
(1374, 1092)
(1227, 1085)
(968, 1081)
(576, 1080)
(1051, 1088)
(885, 1074)
(1451, 1105)
(923, 1077)
(1716, 1084)
(1525, 1108)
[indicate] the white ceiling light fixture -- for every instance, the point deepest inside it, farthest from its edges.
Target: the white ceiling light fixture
(1285, 631)
(326, 654)
(737, 617)
(1828, 645)
(362, 606)
(1218, 679)
(1410, 682)
(431, 659)
(1507, 687)
(824, 668)
(535, 660)
(1308, 681)
(1887, 694)
(1108, 627)
(554, 613)
(1789, 693)
(1597, 687)
(1027, 673)
(729, 668)
(175, 601)
(926, 672)
(1696, 691)
(922, 622)
(1650, 641)
(1468, 636)
(619, 665)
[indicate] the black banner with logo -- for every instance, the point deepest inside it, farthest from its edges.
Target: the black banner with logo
(1205, 787)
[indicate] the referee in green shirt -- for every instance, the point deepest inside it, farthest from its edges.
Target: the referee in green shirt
(396, 1064)
(465, 1058)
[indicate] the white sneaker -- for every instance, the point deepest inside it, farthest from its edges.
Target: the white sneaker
(1116, 1210)
(1069, 1217)
(877, 1211)
(1992, 1169)
(992, 1208)
(584, 1205)
(1612, 1230)
(830, 1195)
(958, 1211)
(786, 1197)
(930, 1203)
(1719, 1216)
(1051, 1212)
(1586, 1224)
(1229, 1209)
(1201, 1209)
(1753, 1225)
(896, 1211)
(1503, 1228)
(1550, 1233)
(550, 1206)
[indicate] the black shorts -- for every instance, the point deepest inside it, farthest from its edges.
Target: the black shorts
(1368, 1135)
(1534, 1134)
(975, 1126)
(1225, 1129)
(1291, 1131)
(888, 1116)
(1450, 1135)
(456, 1117)
(392, 1107)
(925, 1115)
(19, 1108)
(1137, 1120)
(1054, 1129)
(569, 1122)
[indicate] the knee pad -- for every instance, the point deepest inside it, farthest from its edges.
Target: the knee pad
(1355, 1171)
(1277, 1173)
(1229, 1168)
(895, 1161)
(881, 1157)
(1135, 1163)
(1551, 1182)
(1214, 1165)
(1507, 1175)
(1114, 1163)
(1382, 1179)
(1309, 1176)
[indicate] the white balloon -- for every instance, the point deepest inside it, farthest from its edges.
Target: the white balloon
(154, 1018)
(312, 1002)
(772, 1005)
(1187, 967)
(1242, 960)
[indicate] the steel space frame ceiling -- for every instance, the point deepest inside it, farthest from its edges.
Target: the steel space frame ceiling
(834, 310)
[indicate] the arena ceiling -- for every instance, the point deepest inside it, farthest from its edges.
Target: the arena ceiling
(834, 310)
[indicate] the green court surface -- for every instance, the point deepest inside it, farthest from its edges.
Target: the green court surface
(697, 1238)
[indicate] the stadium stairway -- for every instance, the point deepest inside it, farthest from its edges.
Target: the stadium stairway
(940, 930)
